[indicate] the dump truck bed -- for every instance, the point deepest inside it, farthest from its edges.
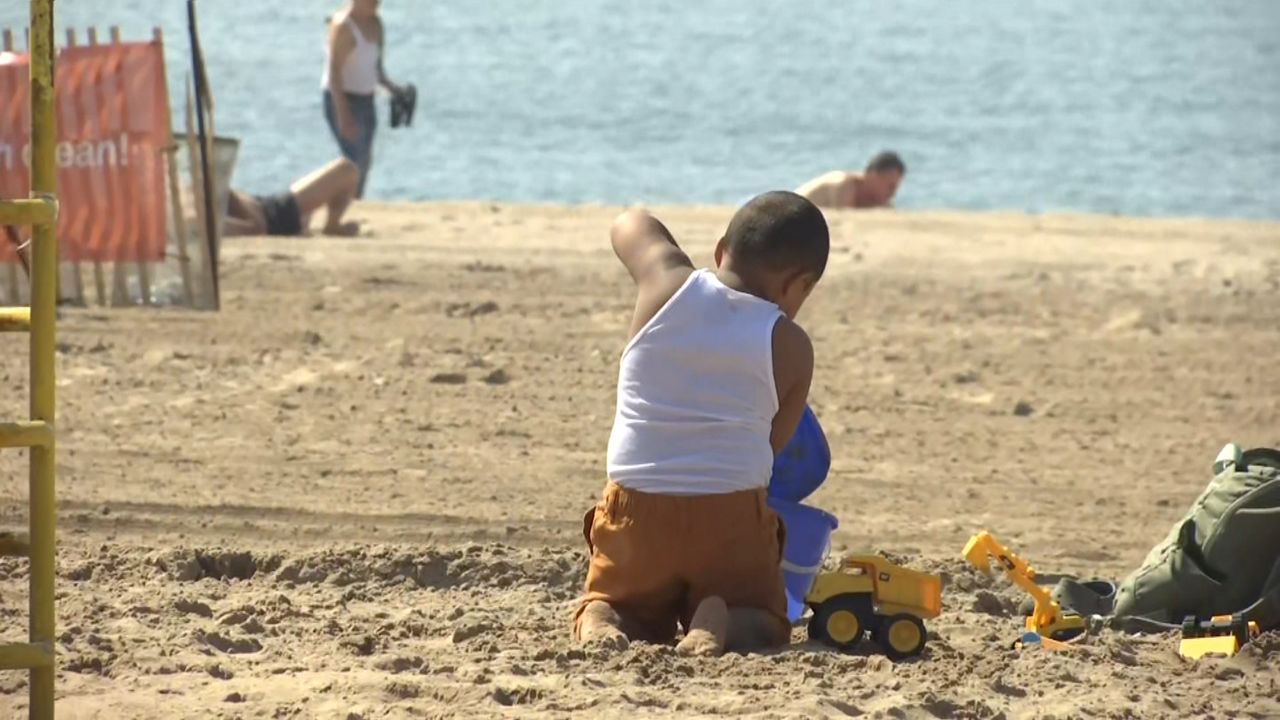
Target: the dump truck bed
(902, 590)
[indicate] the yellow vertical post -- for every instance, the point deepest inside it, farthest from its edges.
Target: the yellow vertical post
(40, 211)
(44, 298)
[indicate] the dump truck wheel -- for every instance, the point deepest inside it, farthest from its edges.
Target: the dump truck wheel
(902, 636)
(841, 621)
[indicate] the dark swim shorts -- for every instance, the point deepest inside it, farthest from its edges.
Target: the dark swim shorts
(282, 213)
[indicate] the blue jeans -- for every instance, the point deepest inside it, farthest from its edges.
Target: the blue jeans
(359, 150)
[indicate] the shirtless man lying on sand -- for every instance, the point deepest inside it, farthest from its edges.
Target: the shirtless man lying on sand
(872, 188)
(289, 213)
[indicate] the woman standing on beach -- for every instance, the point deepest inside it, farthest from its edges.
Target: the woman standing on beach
(352, 74)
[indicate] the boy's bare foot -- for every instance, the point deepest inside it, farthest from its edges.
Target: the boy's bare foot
(346, 229)
(600, 626)
(707, 630)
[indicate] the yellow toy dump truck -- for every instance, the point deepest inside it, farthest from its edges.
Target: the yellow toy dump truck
(869, 594)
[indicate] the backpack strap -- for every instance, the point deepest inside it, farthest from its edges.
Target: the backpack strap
(1265, 611)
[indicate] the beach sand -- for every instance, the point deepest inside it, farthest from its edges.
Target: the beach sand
(357, 491)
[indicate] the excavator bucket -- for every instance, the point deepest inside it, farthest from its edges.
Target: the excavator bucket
(976, 551)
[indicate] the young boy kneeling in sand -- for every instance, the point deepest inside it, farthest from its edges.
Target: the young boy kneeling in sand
(712, 384)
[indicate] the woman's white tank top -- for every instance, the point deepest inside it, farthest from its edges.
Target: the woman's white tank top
(696, 395)
(360, 70)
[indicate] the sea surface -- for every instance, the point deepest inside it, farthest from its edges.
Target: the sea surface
(1142, 107)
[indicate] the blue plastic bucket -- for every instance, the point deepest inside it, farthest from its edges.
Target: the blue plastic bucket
(808, 539)
(803, 464)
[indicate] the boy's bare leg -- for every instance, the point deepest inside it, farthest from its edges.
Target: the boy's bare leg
(332, 187)
(708, 629)
(716, 627)
(600, 624)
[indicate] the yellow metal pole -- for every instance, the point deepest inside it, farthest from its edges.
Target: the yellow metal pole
(15, 319)
(19, 656)
(44, 296)
(28, 212)
(25, 435)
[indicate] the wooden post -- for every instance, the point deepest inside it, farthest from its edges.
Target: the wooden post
(175, 191)
(208, 163)
(144, 270)
(99, 276)
(120, 275)
(12, 289)
(77, 283)
(197, 190)
(77, 278)
(179, 221)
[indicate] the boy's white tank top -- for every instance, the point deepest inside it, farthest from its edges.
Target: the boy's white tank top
(696, 395)
(360, 69)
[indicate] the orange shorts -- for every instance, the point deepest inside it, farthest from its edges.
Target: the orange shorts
(655, 557)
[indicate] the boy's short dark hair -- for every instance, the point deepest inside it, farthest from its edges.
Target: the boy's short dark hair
(780, 230)
(887, 161)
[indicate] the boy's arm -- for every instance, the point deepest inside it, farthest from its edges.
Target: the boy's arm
(657, 265)
(645, 246)
(793, 373)
(383, 80)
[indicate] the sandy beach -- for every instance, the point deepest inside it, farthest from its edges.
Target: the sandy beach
(357, 491)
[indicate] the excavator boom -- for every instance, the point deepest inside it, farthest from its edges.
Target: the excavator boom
(979, 551)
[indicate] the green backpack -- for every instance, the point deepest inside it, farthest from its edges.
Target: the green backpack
(1218, 559)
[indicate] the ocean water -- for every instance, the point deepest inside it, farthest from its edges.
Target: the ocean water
(1143, 107)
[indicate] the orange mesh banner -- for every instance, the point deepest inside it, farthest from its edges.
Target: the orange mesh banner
(112, 107)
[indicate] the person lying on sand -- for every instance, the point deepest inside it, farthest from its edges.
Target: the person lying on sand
(289, 213)
(712, 384)
(872, 188)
